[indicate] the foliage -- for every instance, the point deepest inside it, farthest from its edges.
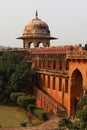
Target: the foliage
(14, 96)
(82, 116)
(82, 102)
(41, 114)
(23, 101)
(23, 124)
(31, 108)
(75, 126)
(85, 91)
(32, 99)
(64, 123)
(14, 72)
(80, 119)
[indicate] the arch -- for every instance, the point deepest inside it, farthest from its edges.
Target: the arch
(76, 89)
(43, 44)
(31, 45)
(40, 44)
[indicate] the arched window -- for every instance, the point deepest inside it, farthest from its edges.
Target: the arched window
(31, 45)
(40, 45)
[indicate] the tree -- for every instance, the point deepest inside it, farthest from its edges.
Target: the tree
(79, 121)
(14, 71)
(81, 114)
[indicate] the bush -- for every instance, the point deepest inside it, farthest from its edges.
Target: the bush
(79, 120)
(82, 101)
(75, 126)
(14, 96)
(32, 99)
(40, 114)
(82, 115)
(23, 124)
(2, 96)
(30, 108)
(23, 101)
(64, 123)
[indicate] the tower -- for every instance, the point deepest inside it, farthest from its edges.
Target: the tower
(36, 32)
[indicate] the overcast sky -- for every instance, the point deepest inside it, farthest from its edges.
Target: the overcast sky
(67, 20)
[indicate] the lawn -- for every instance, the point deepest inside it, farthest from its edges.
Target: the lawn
(11, 116)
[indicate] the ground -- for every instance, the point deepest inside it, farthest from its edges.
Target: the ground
(52, 124)
(16, 116)
(13, 116)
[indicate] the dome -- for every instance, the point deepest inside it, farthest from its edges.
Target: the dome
(36, 27)
(36, 32)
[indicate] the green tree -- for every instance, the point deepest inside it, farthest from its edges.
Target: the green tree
(14, 71)
(79, 121)
(81, 113)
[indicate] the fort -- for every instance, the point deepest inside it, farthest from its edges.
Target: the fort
(61, 71)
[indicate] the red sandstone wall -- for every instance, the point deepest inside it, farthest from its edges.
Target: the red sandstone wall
(82, 67)
(55, 93)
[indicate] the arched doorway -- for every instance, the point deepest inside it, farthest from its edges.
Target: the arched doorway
(76, 89)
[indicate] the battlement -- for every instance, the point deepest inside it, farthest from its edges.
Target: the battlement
(50, 50)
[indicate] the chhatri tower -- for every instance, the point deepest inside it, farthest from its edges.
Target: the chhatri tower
(36, 32)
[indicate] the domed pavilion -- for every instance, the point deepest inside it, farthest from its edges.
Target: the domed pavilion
(36, 32)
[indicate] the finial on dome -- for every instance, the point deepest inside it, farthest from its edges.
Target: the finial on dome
(36, 14)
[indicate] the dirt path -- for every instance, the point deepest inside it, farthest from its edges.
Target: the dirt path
(52, 124)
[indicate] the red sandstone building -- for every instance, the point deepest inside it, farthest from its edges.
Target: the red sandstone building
(61, 71)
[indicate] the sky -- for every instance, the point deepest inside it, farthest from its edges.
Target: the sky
(67, 20)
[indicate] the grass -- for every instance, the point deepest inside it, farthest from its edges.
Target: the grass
(11, 116)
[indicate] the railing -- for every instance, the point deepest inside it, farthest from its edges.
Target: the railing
(46, 102)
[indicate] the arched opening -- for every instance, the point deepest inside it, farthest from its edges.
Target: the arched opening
(31, 45)
(76, 89)
(40, 44)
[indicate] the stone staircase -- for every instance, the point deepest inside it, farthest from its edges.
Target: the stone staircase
(45, 101)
